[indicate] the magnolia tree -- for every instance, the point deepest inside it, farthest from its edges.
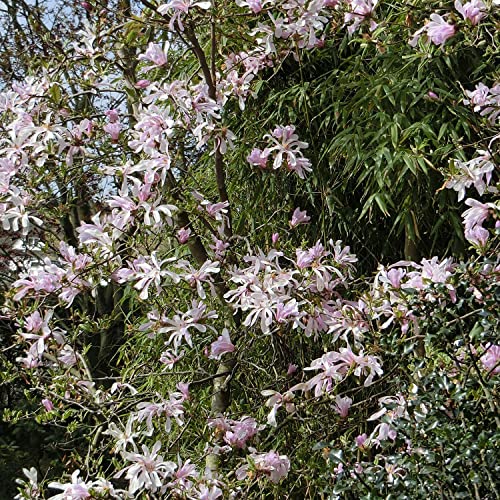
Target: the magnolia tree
(177, 348)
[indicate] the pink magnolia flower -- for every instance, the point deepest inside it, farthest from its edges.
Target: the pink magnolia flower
(47, 404)
(183, 388)
(123, 436)
(437, 29)
(180, 7)
(216, 210)
(300, 166)
(342, 406)
(30, 487)
(113, 129)
(359, 11)
(170, 409)
(113, 115)
(148, 470)
(287, 145)
(182, 477)
(270, 464)
(491, 359)
(205, 492)
(477, 235)
(67, 355)
(486, 101)
(195, 277)
(142, 84)
(478, 97)
(275, 402)
(474, 218)
(241, 431)
(169, 358)
(337, 471)
(219, 247)
(336, 365)
(155, 54)
(146, 270)
(41, 331)
(236, 432)
(299, 217)
(477, 214)
(76, 490)
(254, 5)
(183, 234)
(274, 466)
(474, 10)
(362, 441)
(258, 157)
(476, 172)
(221, 346)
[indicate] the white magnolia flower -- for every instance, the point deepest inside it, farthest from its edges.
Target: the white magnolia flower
(148, 470)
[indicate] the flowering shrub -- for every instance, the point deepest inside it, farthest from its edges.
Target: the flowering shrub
(190, 345)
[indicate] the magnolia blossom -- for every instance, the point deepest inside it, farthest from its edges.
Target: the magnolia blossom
(113, 115)
(259, 157)
(146, 271)
(155, 54)
(277, 401)
(362, 441)
(148, 470)
(271, 465)
(287, 145)
(299, 217)
(195, 277)
(485, 100)
(204, 492)
(67, 355)
(254, 5)
(437, 30)
(274, 466)
(142, 84)
(219, 247)
(180, 7)
(182, 478)
(47, 404)
(221, 346)
(169, 409)
(474, 218)
(30, 488)
(359, 11)
(335, 366)
(474, 10)
(113, 129)
(76, 490)
(476, 172)
(393, 472)
(183, 234)
(342, 405)
(14, 214)
(123, 436)
(236, 432)
(491, 359)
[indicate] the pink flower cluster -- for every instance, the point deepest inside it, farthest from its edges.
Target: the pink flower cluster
(286, 149)
(236, 433)
(485, 100)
